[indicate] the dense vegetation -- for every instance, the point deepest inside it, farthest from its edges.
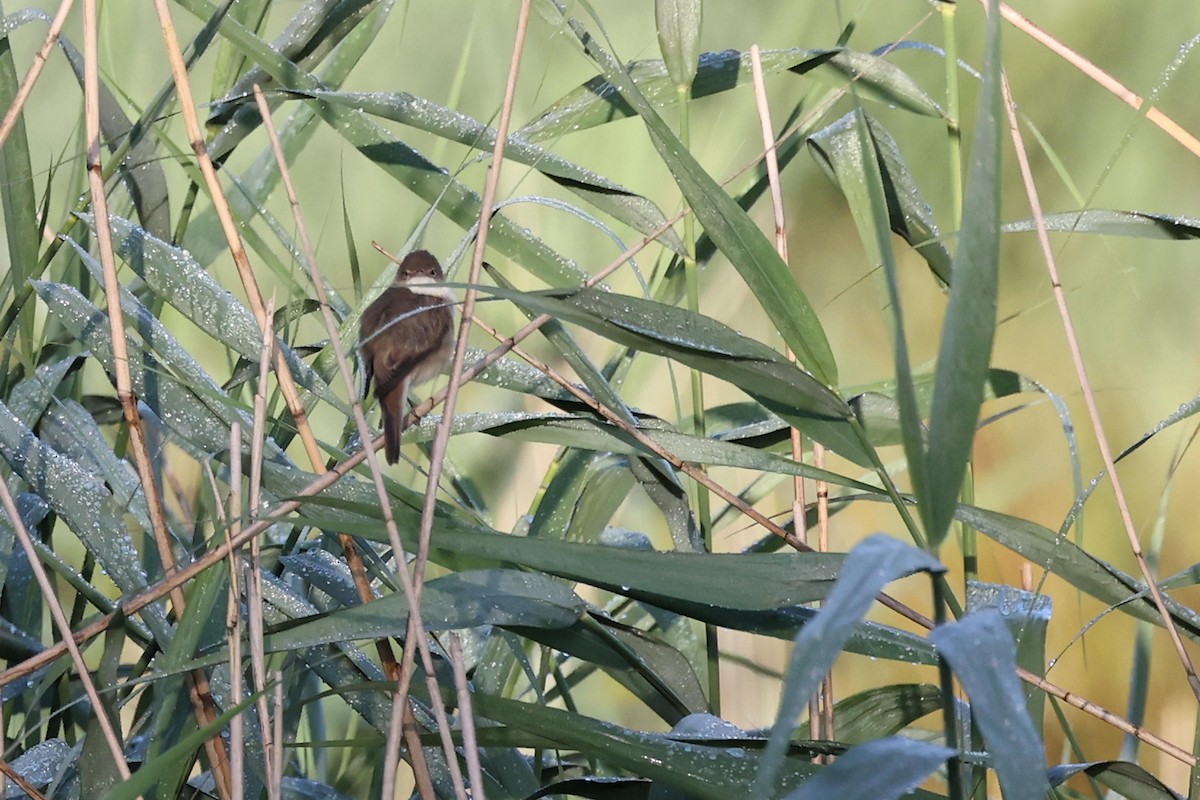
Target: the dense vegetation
(716, 397)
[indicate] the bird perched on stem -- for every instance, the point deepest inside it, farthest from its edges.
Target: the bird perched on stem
(405, 338)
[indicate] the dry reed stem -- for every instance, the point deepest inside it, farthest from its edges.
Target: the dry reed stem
(466, 718)
(1104, 715)
(799, 514)
(387, 658)
(441, 440)
(254, 597)
(8, 773)
(1089, 395)
(197, 681)
(1085, 387)
(233, 618)
(237, 250)
(772, 162)
(64, 628)
(276, 755)
(828, 731)
(35, 69)
(1108, 82)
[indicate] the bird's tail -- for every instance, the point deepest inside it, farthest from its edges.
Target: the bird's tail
(393, 420)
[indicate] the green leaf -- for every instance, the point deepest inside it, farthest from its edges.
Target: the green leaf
(22, 232)
(1126, 779)
(82, 501)
(178, 279)
(573, 475)
(1077, 567)
(678, 23)
(459, 600)
(707, 345)
(598, 101)
(882, 711)
(1112, 222)
(591, 434)
(573, 354)
(877, 79)
(839, 151)
(731, 229)
(869, 206)
(1027, 615)
(634, 210)
(200, 413)
(97, 769)
(174, 719)
(965, 351)
(653, 671)
(720, 771)
(142, 170)
(30, 398)
(598, 788)
(661, 484)
(167, 763)
(871, 565)
(982, 654)
(883, 769)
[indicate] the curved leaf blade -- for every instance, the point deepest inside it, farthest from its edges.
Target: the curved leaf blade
(871, 565)
(884, 769)
(718, 772)
(598, 101)
(1127, 779)
(881, 711)
(633, 209)
(965, 351)
(730, 227)
(460, 600)
(583, 433)
(1078, 567)
(839, 151)
(984, 659)
(1113, 222)
(678, 23)
(712, 347)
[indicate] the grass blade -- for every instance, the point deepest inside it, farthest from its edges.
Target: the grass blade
(750, 252)
(871, 565)
(966, 345)
(983, 656)
(884, 769)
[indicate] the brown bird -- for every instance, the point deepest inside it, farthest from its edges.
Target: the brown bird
(405, 338)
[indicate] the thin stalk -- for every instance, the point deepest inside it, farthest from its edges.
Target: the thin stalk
(953, 131)
(1089, 396)
(1101, 78)
(816, 724)
(402, 722)
(957, 791)
(977, 785)
(691, 281)
(1194, 775)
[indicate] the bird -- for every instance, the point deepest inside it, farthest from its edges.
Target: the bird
(405, 338)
